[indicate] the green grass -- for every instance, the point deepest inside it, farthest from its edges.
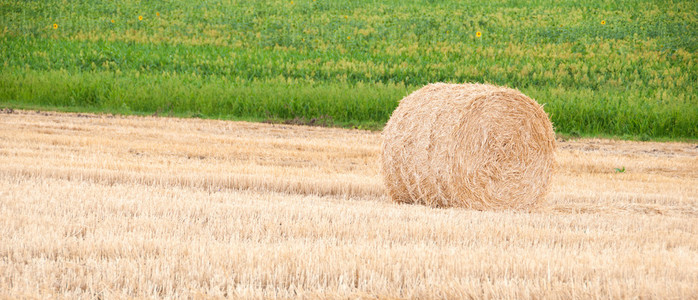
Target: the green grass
(350, 62)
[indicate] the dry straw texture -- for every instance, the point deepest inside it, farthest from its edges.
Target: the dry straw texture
(93, 206)
(468, 145)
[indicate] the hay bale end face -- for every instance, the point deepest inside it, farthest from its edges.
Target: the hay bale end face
(468, 145)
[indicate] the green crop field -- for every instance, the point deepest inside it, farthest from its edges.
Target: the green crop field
(621, 68)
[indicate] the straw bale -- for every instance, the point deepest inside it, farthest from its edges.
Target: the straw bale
(468, 145)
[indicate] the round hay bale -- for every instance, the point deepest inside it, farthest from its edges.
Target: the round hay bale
(468, 145)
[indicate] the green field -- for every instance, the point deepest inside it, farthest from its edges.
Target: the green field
(627, 68)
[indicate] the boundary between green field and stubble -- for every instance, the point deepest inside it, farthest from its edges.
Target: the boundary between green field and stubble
(342, 104)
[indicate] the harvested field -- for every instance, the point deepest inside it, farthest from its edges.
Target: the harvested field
(100, 206)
